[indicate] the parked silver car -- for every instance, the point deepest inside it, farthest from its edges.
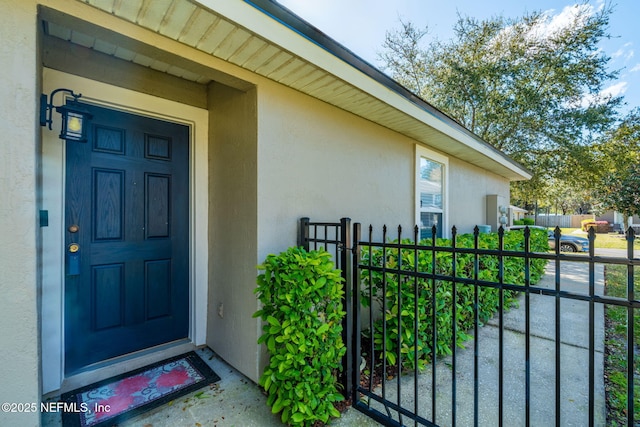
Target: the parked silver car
(568, 243)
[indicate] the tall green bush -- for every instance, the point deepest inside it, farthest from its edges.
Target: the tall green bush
(400, 292)
(301, 293)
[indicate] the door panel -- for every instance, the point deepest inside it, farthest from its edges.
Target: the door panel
(127, 190)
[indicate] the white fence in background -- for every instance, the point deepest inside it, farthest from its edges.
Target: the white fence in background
(562, 221)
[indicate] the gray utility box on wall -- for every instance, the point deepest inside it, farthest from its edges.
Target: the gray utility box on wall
(497, 208)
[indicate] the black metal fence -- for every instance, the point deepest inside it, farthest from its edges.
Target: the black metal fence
(539, 363)
(334, 237)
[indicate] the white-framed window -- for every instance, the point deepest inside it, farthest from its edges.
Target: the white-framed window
(432, 171)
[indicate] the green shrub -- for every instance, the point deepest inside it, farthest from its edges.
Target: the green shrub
(528, 221)
(301, 293)
(404, 260)
(518, 222)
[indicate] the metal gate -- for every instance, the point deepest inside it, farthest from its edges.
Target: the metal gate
(334, 237)
(538, 363)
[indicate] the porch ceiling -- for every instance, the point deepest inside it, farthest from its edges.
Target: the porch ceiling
(268, 40)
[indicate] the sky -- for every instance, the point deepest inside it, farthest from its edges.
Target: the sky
(360, 25)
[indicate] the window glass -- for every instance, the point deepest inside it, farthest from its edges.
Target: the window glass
(431, 196)
(427, 221)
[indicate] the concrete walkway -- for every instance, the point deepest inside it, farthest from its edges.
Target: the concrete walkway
(236, 401)
(574, 364)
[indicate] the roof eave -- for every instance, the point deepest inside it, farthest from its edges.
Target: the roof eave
(317, 37)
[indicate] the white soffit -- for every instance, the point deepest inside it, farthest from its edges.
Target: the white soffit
(238, 32)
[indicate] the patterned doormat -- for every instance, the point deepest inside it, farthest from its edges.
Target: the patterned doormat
(108, 402)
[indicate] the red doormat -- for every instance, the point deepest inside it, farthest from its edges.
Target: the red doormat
(113, 400)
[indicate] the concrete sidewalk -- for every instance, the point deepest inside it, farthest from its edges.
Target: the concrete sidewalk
(574, 364)
(236, 401)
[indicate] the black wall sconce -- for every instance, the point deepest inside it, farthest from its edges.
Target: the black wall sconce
(74, 117)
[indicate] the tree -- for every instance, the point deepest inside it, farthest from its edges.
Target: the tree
(532, 87)
(616, 164)
(618, 148)
(564, 199)
(621, 191)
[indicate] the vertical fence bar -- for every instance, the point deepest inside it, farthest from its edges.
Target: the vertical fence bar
(399, 320)
(501, 329)
(315, 235)
(355, 262)
(630, 330)
(384, 314)
(454, 322)
(303, 233)
(371, 325)
(324, 236)
(556, 236)
(346, 265)
(416, 331)
(476, 321)
(592, 346)
(434, 320)
(339, 236)
(527, 322)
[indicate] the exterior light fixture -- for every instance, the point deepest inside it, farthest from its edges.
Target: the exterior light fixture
(74, 117)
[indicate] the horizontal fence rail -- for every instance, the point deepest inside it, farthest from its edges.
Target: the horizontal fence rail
(455, 332)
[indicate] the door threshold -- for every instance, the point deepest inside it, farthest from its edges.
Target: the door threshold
(122, 364)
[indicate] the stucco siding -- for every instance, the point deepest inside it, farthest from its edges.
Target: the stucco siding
(319, 161)
(469, 186)
(231, 330)
(19, 360)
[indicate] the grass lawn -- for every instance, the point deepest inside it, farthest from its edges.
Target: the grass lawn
(610, 240)
(616, 347)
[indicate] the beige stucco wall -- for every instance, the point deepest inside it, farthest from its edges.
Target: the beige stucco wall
(233, 166)
(319, 161)
(469, 186)
(19, 364)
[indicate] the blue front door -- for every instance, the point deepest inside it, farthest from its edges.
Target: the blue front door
(127, 237)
